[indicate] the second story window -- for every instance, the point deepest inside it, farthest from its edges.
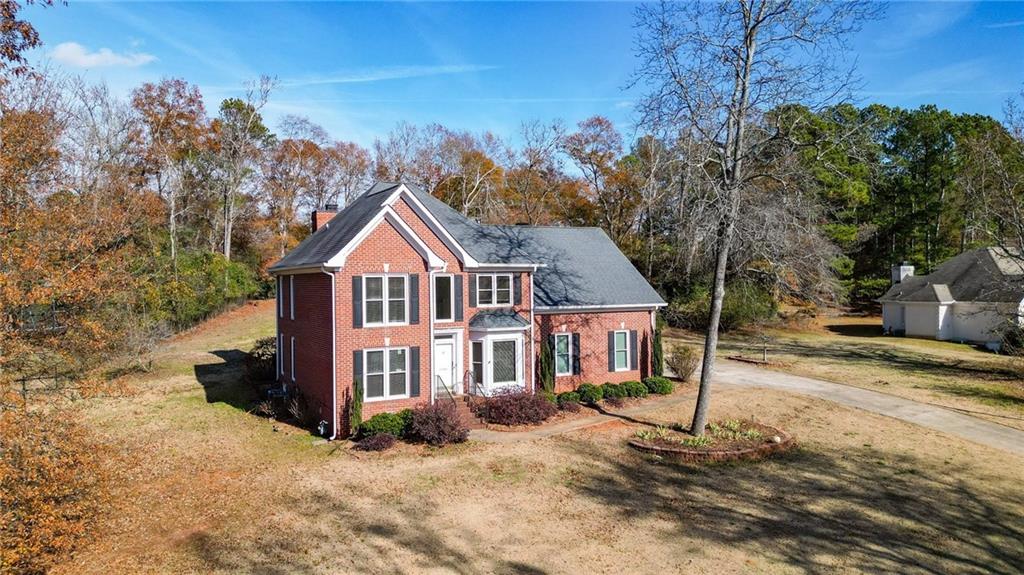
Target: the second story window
(385, 300)
(494, 289)
(444, 298)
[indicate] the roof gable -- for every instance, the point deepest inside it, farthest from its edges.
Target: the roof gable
(982, 275)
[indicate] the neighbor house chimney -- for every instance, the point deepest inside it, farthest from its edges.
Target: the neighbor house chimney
(322, 216)
(901, 272)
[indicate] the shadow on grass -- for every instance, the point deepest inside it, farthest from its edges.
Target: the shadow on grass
(223, 382)
(823, 513)
(341, 538)
(983, 394)
(857, 330)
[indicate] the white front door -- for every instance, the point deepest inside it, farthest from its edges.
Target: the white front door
(444, 367)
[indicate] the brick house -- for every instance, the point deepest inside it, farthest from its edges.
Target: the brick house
(420, 303)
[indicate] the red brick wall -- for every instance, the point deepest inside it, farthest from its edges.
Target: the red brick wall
(593, 329)
(311, 329)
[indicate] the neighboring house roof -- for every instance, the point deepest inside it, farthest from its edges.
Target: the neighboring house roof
(578, 267)
(982, 275)
(498, 319)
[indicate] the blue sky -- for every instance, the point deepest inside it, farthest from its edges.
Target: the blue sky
(358, 68)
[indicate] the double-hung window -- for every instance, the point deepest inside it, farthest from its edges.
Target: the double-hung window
(291, 356)
(494, 289)
(621, 351)
(385, 299)
(444, 298)
(386, 373)
(563, 354)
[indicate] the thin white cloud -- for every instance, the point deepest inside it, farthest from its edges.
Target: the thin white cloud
(74, 54)
(386, 73)
(1011, 24)
(912, 22)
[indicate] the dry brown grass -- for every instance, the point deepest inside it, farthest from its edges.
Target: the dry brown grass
(219, 491)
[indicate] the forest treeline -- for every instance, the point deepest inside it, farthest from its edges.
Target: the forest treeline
(145, 214)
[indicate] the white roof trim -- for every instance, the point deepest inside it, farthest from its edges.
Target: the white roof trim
(583, 308)
(391, 216)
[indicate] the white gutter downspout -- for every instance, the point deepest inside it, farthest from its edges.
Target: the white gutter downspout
(533, 351)
(334, 358)
(430, 321)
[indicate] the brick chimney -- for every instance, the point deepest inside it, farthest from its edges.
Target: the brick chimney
(322, 216)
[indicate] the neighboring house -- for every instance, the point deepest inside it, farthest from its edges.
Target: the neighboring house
(972, 297)
(418, 302)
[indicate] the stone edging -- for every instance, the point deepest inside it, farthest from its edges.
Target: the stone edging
(696, 455)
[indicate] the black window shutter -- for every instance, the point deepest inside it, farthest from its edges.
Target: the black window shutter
(472, 290)
(576, 354)
(357, 301)
(517, 288)
(414, 298)
(632, 349)
(414, 371)
(357, 365)
(457, 282)
(611, 351)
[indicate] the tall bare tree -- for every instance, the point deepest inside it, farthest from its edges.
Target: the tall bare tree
(713, 71)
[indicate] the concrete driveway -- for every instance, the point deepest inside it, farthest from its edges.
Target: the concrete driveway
(737, 374)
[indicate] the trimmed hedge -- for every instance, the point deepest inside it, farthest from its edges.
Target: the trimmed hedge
(394, 424)
(635, 389)
(613, 390)
(590, 393)
(659, 385)
(519, 408)
(378, 442)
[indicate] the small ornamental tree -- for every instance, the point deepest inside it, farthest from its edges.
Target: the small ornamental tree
(355, 416)
(657, 354)
(547, 368)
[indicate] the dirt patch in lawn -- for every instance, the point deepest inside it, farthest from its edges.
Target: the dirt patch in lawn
(217, 490)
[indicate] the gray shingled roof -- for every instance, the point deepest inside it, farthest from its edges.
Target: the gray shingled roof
(581, 267)
(328, 240)
(498, 319)
(983, 275)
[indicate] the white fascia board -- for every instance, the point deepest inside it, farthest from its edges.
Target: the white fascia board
(300, 270)
(585, 308)
(483, 267)
(432, 223)
(390, 215)
(498, 329)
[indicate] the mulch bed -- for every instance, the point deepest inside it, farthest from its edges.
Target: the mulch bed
(720, 449)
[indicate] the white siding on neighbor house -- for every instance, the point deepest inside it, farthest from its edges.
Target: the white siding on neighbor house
(892, 318)
(945, 320)
(981, 322)
(922, 320)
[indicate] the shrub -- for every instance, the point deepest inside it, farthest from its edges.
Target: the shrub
(659, 385)
(298, 408)
(54, 476)
(438, 424)
(658, 353)
(355, 416)
(590, 393)
(546, 368)
(261, 361)
(613, 390)
(635, 389)
(568, 397)
(570, 406)
(683, 361)
(519, 408)
(390, 423)
(614, 401)
(378, 442)
(548, 396)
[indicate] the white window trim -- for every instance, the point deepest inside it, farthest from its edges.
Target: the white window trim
(384, 295)
(494, 290)
(387, 374)
(291, 295)
(488, 342)
(292, 357)
(568, 337)
(280, 296)
(433, 292)
(615, 350)
(280, 354)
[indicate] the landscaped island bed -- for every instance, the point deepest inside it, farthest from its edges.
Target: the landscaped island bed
(730, 440)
